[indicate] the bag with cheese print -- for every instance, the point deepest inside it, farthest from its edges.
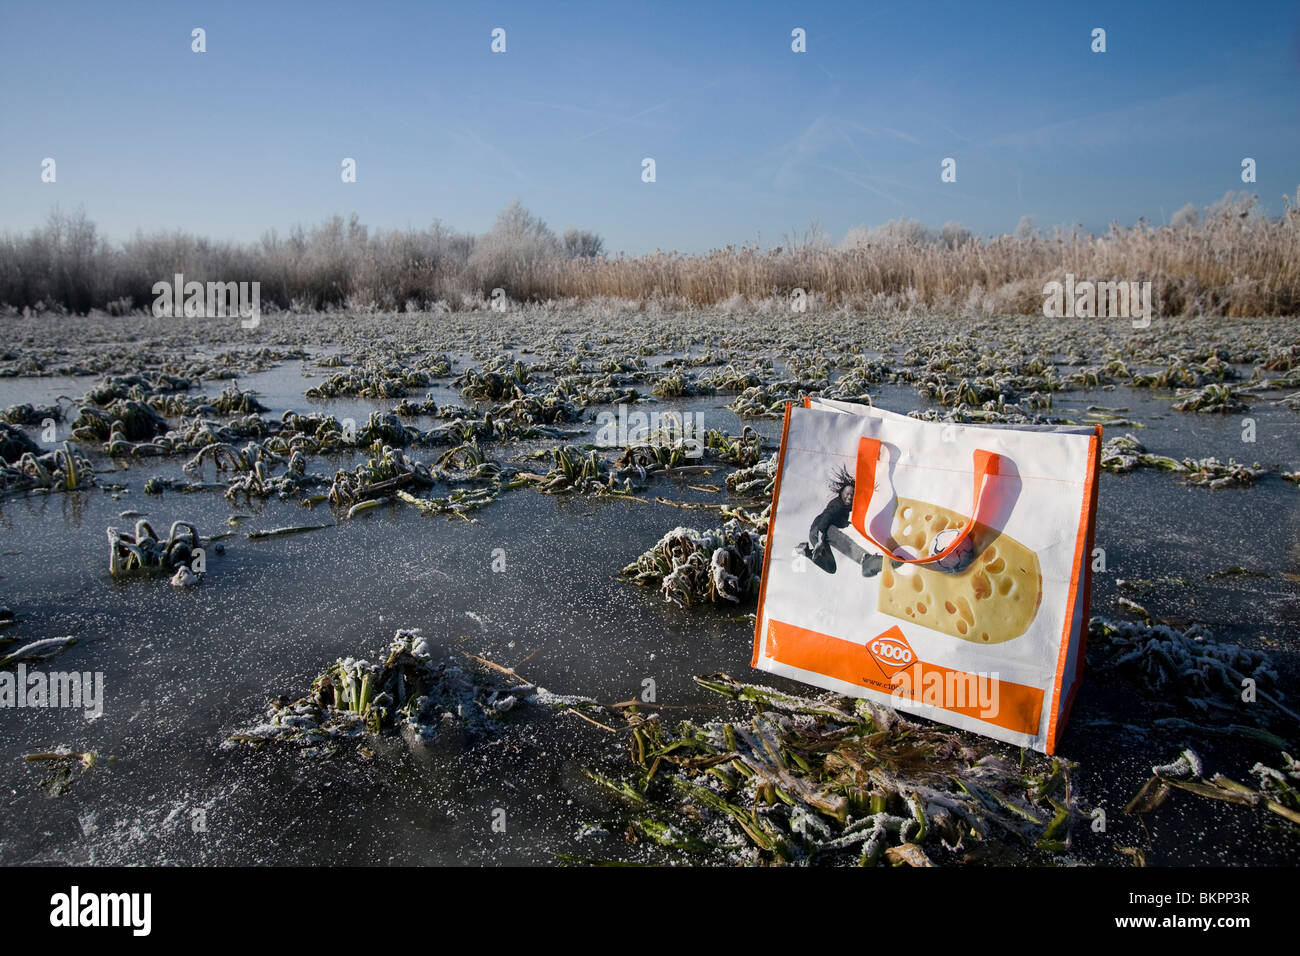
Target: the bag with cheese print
(940, 569)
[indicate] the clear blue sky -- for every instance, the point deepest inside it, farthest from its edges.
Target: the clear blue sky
(750, 139)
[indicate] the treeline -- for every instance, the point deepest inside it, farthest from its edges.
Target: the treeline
(1228, 259)
(69, 265)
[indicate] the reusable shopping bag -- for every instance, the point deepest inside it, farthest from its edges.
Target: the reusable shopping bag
(937, 568)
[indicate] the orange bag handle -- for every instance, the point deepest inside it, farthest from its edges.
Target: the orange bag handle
(984, 463)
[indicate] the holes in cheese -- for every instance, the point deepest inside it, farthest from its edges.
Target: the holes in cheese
(963, 608)
(993, 600)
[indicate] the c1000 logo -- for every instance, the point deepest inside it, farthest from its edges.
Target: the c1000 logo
(894, 651)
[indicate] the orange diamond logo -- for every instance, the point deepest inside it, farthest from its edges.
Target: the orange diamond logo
(891, 651)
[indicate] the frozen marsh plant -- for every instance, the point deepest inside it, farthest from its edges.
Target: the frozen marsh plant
(1230, 259)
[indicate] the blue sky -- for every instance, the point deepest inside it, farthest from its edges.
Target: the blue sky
(750, 140)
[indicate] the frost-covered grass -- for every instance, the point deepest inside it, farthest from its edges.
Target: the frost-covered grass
(825, 779)
(1227, 260)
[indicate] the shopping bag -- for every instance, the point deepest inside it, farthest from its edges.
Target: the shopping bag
(940, 569)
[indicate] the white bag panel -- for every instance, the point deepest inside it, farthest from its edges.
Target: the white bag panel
(931, 462)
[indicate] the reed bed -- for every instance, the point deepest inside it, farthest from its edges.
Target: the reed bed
(1227, 260)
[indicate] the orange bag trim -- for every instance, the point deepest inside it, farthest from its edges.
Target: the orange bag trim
(1020, 706)
(983, 464)
(1082, 569)
(771, 531)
